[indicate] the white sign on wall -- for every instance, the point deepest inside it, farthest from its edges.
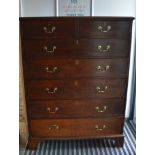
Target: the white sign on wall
(74, 7)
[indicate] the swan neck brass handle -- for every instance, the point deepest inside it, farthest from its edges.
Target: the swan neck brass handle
(104, 29)
(53, 127)
(53, 70)
(49, 51)
(101, 89)
(49, 30)
(101, 110)
(100, 128)
(103, 68)
(52, 110)
(102, 49)
(51, 91)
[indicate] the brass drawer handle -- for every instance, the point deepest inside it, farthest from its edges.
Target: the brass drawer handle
(100, 129)
(50, 30)
(101, 90)
(101, 110)
(52, 110)
(53, 70)
(104, 29)
(53, 91)
(50, 51)
(53, 127)
(101, 48)
(103, 69)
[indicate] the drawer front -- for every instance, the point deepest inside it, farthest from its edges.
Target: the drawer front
(65, 68)
(70, 128)
(72, 89)
(75, 108)
(34, 49)
(47, 29)
(105, 29)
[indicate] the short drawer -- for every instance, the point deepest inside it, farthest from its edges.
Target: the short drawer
(34, 29)
(105, 29)
(106, 48)
(75, 108)
(70, 128)
(65, 68)
(78, 88)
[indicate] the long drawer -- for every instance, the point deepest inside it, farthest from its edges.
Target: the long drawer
(76, 108)
(70, 128)
(67, 68)
(49, 48)
(78, 88)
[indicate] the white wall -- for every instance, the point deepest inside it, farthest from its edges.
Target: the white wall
(37, 8)
(100, 8)
(114, 7)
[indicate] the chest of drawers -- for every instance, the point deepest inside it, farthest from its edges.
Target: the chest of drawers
(75, 76)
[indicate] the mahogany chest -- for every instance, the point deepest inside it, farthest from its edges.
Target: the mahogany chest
(76, 76)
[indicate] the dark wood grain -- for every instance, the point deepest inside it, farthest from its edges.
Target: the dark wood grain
(67, 68)
(34, 49)
(119, 141)
(32, 27)
(35, 29)
(76, 55)
(75, 127)
(64, 18)
(78, 88)
(76, 108)
(33, 143)
(119, 29)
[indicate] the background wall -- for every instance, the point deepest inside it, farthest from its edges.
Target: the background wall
(114, 7)
(99, 8)
(37, 8)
